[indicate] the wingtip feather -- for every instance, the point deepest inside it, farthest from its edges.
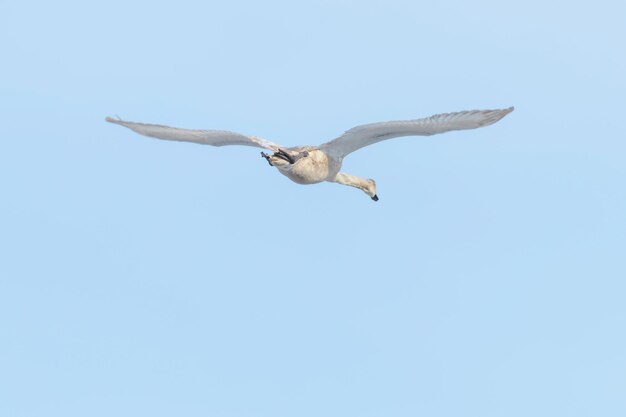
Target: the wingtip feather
(117, 120)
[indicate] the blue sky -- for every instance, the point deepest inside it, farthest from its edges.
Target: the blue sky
(143, 277)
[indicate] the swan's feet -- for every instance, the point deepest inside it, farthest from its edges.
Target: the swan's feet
(375, 198)
(292, 157)
(267, 158)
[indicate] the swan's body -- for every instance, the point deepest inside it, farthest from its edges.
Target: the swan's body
(315, 167)
(313, 164)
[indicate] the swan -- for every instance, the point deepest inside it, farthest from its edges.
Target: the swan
(314, 164)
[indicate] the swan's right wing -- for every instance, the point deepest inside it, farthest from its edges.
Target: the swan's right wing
(364, 135)
(205, 137)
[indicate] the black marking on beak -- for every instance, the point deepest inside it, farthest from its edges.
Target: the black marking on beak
(375, 198)
(267, 158)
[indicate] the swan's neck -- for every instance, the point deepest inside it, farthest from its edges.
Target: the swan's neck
(367, 186)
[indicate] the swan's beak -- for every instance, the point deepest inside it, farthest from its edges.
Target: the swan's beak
(375, 198)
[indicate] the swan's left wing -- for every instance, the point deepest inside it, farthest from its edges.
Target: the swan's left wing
(205, 137)
(364, 135)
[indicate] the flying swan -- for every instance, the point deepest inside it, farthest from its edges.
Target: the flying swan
(313, 164)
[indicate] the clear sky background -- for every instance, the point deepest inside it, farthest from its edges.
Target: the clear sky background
(149, 278)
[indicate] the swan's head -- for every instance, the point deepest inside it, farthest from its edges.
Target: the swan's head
(370, 189)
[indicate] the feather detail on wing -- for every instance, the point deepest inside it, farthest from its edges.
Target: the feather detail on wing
(205, 137)
(364, 135)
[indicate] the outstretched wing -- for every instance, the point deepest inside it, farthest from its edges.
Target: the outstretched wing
(365, 135)
(205, 137)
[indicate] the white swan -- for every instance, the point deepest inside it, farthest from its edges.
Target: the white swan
(313, 164)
